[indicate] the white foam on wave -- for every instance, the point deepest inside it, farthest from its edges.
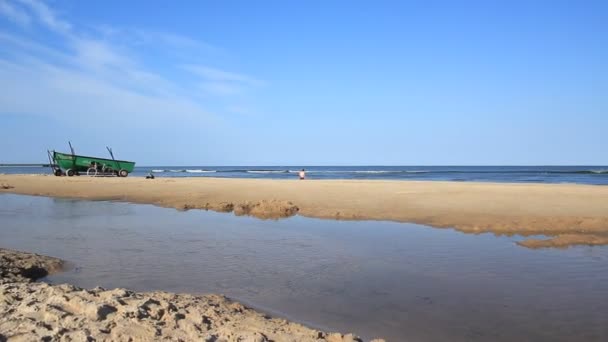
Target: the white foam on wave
(348, 171)
(374, 171)
(318, 171)
(265, 171)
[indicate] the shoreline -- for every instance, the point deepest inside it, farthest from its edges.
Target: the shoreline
(568, 214)
(36, 310)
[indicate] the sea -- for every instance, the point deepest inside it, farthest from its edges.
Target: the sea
(511, 174)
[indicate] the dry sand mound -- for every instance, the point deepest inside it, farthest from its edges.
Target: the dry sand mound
(567, 240)
(43, 312)
(267, 209)
(6, 186)
(264, 209)
(25, 267)
(38, 311)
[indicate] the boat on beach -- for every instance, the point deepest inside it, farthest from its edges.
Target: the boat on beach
(71, 164)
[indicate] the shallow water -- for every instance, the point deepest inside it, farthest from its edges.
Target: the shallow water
(377, 279)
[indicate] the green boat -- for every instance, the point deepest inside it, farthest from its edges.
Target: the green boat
(71, 164)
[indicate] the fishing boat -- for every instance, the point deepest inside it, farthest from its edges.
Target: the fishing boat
(71, 164)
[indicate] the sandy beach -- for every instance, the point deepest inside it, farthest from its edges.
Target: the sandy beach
(566, 213)
(40, 311)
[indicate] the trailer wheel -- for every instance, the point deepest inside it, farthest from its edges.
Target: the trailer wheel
(70, 172)
(92, 172)
(58, 173)
(123, 173)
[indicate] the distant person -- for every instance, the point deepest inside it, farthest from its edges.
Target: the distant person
(150, 175)
(302, 174)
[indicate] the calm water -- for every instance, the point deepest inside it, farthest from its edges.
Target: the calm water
(529, 174)
(399, 281)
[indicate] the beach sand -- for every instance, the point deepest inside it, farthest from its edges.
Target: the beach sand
(567, 214)
(41, 312)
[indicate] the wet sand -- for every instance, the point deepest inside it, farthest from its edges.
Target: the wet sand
(568, 214)
(39, 311)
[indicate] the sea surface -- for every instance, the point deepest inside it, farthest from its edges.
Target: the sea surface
(517, 174)
(403, 282)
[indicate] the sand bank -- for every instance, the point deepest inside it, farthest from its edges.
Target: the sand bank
(568, 212)
(39, 311)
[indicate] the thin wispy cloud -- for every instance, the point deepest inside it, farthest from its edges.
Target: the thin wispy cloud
(103, 71)
(220, 82)
(46, 16)
(14, 13)
(218, 75)
(176, 41)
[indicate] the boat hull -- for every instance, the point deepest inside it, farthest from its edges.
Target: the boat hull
(79, 163)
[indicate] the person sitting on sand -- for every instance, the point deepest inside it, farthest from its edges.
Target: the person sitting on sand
(302, 174)
(150, 175)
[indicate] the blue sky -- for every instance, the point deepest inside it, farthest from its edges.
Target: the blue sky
(306, 82)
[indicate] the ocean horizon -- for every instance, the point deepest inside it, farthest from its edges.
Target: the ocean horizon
(581, 174)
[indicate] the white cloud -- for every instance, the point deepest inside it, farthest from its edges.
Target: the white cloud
(218, 82)
(37, 87)
(97, 54)
(217, 75)
(46, 16)
(14, 14)
(177, 41)
(220, 88)
(103, 75)
(139, 37)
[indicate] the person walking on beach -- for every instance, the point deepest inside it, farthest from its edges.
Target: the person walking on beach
(302, 174)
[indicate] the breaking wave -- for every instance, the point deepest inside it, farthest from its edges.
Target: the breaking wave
(267, 171)
(521, 171)
(200, 171)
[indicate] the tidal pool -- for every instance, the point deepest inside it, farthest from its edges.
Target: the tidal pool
(376, 279)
